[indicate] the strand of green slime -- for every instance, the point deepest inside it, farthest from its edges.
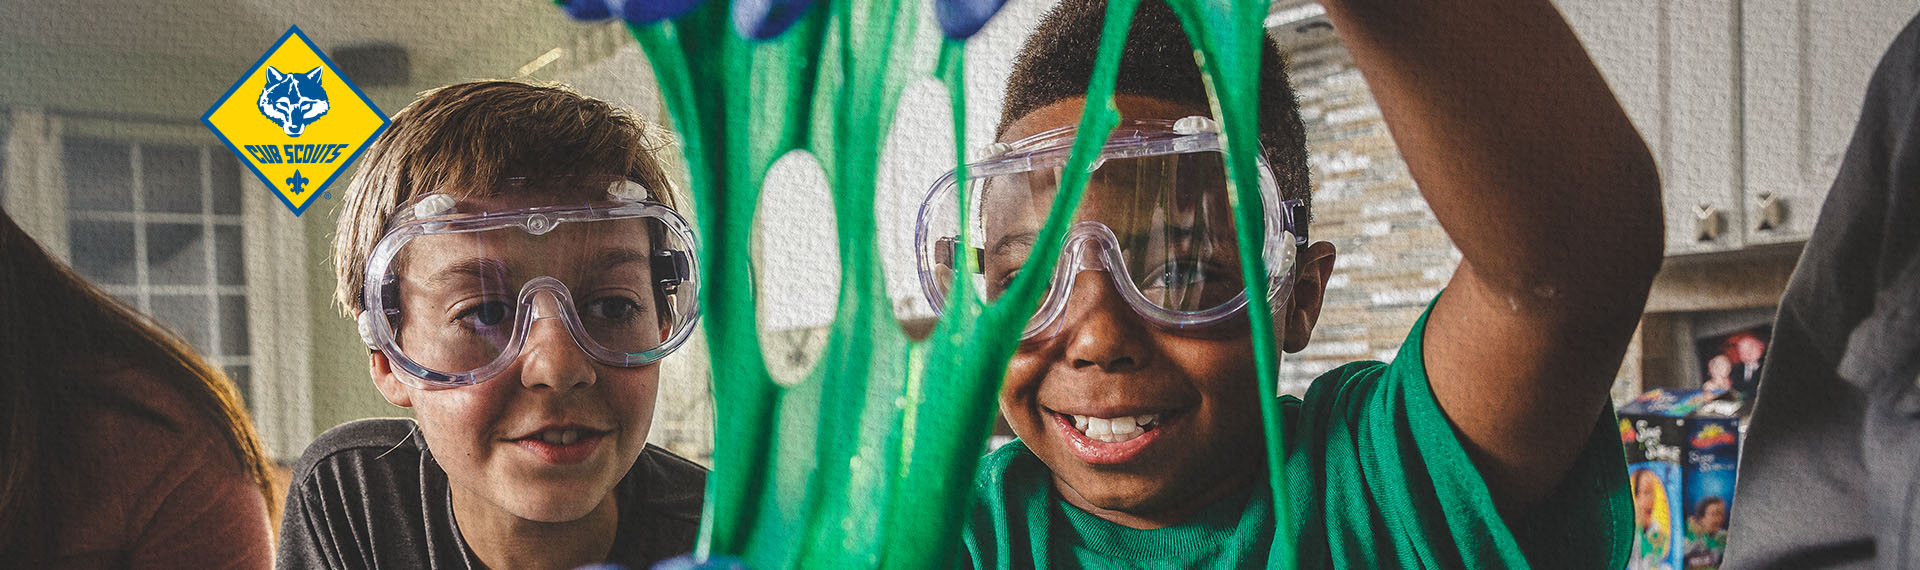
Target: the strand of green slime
(867, 462)
(1229, 37)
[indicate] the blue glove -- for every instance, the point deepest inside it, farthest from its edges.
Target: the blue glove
(764, 19)
(961, 19)
(586, 10)
(637, 12)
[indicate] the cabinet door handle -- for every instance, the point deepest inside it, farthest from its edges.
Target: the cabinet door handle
(1708, 223)
(1772, 212)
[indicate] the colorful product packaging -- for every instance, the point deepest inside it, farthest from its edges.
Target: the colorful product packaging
(1682, 449)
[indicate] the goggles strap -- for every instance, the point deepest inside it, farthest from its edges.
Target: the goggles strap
(947, 251)
(390, 298)
(671, 267)
(1296, 212)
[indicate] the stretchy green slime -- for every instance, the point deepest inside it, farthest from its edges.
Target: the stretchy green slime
(868, 462)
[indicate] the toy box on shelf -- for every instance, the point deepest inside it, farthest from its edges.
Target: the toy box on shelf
(1682, 448)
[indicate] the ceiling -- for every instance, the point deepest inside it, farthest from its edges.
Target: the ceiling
(170, 59)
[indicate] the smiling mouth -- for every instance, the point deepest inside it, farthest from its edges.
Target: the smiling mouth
(1110, 440)
(559, 436)
(1114, 430)
(562, 446)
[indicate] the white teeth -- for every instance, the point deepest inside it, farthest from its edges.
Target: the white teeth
(560, 436)
(1114, 430)
(1098, 428)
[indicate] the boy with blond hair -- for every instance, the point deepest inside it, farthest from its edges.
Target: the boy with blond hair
(515, 266)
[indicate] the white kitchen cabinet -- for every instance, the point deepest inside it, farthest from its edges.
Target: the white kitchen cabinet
(1747, 105)
(1806, 66)
(1674, 66)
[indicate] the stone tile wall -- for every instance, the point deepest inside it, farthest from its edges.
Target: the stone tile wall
(1392, 256)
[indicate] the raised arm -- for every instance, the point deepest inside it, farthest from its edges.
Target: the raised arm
(1535, 173)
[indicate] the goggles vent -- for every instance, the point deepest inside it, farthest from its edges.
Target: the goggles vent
(539, 225)
(1195, 125)
(994, 149)
(433, 205)
(628, 191)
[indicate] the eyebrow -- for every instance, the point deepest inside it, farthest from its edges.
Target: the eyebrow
(1009, 241)
(476, 267)
(615, 257)
(485, 268)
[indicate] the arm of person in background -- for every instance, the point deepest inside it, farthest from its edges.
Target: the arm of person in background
(213, 518)
(1840, 374)
(1552, 198)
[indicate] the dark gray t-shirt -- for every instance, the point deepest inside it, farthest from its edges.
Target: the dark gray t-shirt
(368, 494)
(1830, 477)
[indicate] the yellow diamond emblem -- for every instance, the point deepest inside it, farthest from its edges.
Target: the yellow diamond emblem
(295, 120)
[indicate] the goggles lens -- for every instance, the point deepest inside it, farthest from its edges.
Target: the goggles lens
(1160, 224)
(461, 297)
(1168, 214)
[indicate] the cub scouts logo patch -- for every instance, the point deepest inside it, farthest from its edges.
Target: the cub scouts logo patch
(295, 121)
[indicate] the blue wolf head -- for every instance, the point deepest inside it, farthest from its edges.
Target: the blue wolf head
(293, 100)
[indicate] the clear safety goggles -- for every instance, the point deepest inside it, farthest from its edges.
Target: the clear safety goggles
(453, 289)
(1155, 217)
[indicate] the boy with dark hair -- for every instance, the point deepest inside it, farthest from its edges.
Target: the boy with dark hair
(1488, 441)
(513, 261)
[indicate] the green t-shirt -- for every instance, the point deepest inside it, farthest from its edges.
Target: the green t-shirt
(1377, 479)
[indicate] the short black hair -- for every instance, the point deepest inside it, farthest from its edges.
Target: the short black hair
(1058, 59)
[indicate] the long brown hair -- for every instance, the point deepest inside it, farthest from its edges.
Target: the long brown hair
(54, 325)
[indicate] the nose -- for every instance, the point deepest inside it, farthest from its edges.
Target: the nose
(1101, 332)
(551, 360)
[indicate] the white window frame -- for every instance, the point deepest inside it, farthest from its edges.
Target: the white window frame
(279, 327)
(6, 172)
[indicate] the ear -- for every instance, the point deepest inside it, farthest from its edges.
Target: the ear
(385, 378)
(314, 75)
(387, 381)
(1309, 290)
(274, 75)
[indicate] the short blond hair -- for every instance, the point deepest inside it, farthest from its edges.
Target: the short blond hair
(467, 138)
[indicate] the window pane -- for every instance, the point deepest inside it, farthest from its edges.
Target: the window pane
(103, 251)
(233, 326)
(171, 177)
(99, 175)
(241, 378)
(132, 300)
(176, 254)
(229, 255)
(185, 315)
(226, 182)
